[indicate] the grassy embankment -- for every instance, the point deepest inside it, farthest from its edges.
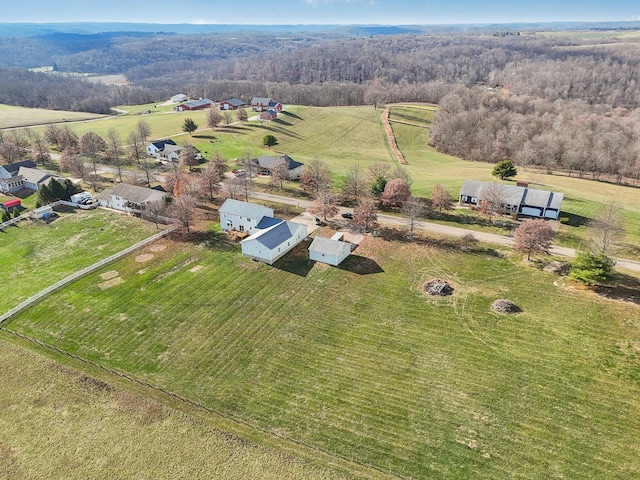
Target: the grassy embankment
(357, 361)
(12, 116)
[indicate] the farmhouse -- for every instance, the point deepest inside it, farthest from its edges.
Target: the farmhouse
(199, 104)
(180, 97)
(244, 216)
(130, 198)
(232, 104)
(330, 250)
(269, 115)
(154, 147)
(266, 165)
(32, 178)
(270, 244)
(521, 200)
(10, 180)
(259, 104)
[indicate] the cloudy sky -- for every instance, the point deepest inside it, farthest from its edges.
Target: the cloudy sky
(390, 12)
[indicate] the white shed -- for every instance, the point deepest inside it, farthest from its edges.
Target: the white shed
(270, 244)
(180, 97)
(43, 212)
(329, 250)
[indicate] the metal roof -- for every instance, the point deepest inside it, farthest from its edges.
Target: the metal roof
(13, 168)
(261, 100)
(160, 144)
(198, 103)
(236, 102)
(267, 222)
(267, 161)
(513, 195)
(328, 246)
(245, 209)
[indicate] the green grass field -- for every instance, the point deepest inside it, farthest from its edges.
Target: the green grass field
(35, 255)
(357, 361)
(56, 419)
(11, 116)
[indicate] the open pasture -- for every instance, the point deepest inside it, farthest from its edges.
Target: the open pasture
(357, 361)
(35, 255)
(12, 116)
(53, 418)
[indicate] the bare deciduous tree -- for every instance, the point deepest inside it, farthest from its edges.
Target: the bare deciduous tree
(143, 129)
(210, 179)
(115, 151)
(534, 236)
(188, 156)
(279, 172)
(92, 146)
(316, 177)
(605, 229)
(325, 206)
(355, 184)
(183, 210)
(366, 214)
(213, 117)
(72, 162)
(441, 198)
(413, 209)
(241, 114)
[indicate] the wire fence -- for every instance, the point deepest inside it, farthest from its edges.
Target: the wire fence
(5, 318)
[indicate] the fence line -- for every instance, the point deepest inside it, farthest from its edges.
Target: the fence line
(80, 273)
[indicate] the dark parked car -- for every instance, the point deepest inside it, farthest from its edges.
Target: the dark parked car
(348, 215)
(319, 222)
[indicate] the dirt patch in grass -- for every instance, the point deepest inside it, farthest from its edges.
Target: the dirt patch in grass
(145, 257)
(158, 248)
(109, 275)
(111, 283)
(195, 269)
(144, 411)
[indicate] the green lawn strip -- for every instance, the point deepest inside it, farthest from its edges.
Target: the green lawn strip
(96, 425)
(367, 367)
(13, 116)
(35, 255)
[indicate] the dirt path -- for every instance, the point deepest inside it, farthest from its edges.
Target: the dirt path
(391, 138)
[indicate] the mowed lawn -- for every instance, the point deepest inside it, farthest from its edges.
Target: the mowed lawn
(35, 255)
(56, 419)
(357, 361)
(12, 116)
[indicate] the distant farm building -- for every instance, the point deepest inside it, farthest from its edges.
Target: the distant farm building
(262, 104)
(180, 97)
(232, 104)
(520, 200)
(200, 104)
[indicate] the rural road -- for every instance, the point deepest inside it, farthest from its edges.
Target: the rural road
(445, 229)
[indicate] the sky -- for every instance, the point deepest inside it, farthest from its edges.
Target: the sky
(363, 12)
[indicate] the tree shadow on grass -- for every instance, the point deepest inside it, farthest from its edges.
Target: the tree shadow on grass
(289, 114)
(209, 239)
(573, 219)
(360, 265)
(623, 287)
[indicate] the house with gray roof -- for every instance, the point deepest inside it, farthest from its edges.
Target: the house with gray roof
(272, 243)
(259, 104)
(523, 201)
(266, 163)
(330, 250)
(244, 216)
(154, 148)
(130, 198)
(10, 180)
(32, 178)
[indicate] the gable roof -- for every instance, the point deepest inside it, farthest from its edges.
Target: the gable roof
(261, 100)
(136, 194)
(13, 168)
(328, 246)
(266, 161)
(160, 144)
(514, 195)
(198, 103)
(245, 209)
(274, 236)
(267, 222)
(236, 102)
(33, 175)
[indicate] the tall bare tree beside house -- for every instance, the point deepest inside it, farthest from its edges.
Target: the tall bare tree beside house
(188, 156)
(115, 151)
(232, 188)
(72, 162)
(316, 177)
(279, 173)
(39, 148)
(492, 200)
(241, 115)
(136, 146)
(209, 180)
(143, 129)
(92, 146)
(183, 210)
